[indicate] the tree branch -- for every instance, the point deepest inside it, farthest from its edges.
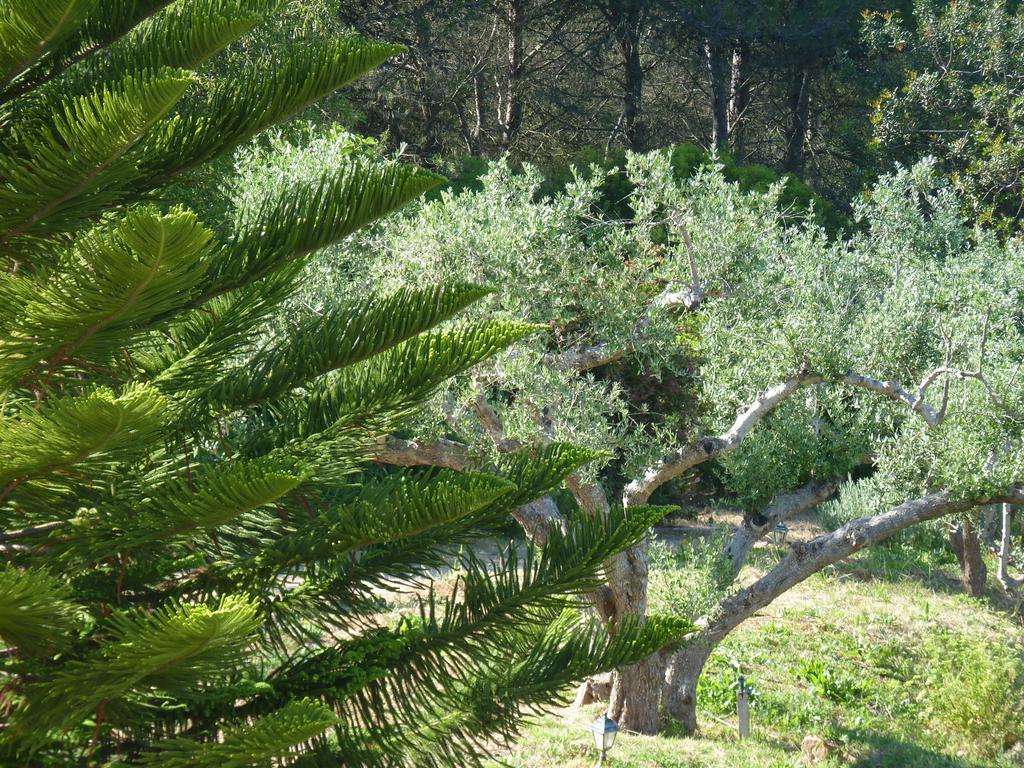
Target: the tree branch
(712, 446)
(755, 526)
(34, 530)
(805, 559)
(586, 357)
(493, 425)
(895, 392)
(410, 453)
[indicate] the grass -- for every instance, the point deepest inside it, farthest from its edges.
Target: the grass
(880, 656)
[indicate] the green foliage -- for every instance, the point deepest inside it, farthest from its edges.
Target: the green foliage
(692, 579)
(35, 610)
(616, 186)
(913, 288)
(828, 682)
(972, 689)
(959, 98)
(797, 198)
(276, 735)
(196, 542)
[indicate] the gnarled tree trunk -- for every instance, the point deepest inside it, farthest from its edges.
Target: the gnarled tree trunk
(636, 690)
(681, 678)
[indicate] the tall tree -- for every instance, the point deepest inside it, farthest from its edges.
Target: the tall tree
(194, 548)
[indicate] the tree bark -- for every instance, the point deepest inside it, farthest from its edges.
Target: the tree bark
(636, 690)
(739, 100)
(717, 63)
(966, 545)
(797, 123)
(510, 117)
(681, 678)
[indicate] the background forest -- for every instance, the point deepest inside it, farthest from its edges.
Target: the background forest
(378, 377)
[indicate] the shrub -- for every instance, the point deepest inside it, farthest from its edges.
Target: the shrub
(690, 579)
(970, 689)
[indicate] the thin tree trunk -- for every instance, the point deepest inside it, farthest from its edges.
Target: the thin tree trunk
(797, 123)
(739, 100)
(625, 20)
(431, 145)
(681, 679)
(965, 543)
(717, 62)
(990, 527)
(633, 128)
(1008, 582)
(510, 118)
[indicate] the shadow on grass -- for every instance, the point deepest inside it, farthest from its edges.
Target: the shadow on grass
(896, 564)
(886, 751)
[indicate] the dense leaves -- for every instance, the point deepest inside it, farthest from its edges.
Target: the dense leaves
(197, 547)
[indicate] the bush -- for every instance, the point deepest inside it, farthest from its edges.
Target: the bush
(970, 688)
(797, 197)
(689, 580)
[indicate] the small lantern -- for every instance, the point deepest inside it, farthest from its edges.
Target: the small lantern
(779, 534)
(604, 730)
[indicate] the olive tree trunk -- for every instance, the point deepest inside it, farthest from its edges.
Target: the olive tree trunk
(681, 678)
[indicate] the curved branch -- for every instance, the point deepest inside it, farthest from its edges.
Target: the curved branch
(895, 392)
(538, 518)
(586, 357)
(712, 446)
(755, 526)
(493, 425)
(805, 559)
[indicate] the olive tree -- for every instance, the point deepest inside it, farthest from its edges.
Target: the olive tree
(781, 358)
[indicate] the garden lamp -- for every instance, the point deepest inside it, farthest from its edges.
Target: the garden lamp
(779, 533)
(604, 730)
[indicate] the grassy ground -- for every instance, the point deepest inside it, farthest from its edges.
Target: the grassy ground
(881, 657)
